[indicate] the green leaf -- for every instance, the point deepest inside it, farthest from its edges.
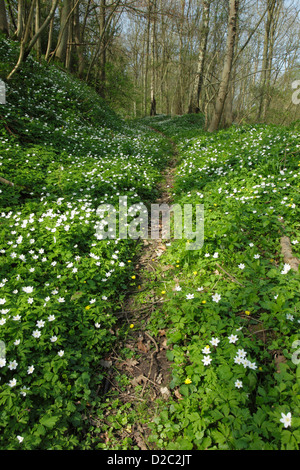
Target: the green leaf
(49, 421)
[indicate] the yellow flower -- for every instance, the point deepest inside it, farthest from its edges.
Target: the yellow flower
(163, 291)
(187, 381)
(204, 301)
(195, 273)
(88, 307)
(247, 312)
(131, 326)
(133, 277)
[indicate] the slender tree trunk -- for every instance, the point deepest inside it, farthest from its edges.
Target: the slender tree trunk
(103, 34)
(267, 84)
(147, 58)
(20, 19)
(231, 39)
(38, 44)
(194, 106)
(153, 50)
(78, 36)
(61, 50)
(3, 19)
(266, 56)
(50, 37)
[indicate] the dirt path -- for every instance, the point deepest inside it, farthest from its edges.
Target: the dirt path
(147, 367)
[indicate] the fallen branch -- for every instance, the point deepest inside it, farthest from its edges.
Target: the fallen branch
(2, 180)
(289, 258)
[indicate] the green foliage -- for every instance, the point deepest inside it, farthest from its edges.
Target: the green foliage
(232, 309)
(67, 153)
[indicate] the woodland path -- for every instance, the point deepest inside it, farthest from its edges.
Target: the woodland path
(147, 368)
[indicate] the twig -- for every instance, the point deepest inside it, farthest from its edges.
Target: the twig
(229, 275)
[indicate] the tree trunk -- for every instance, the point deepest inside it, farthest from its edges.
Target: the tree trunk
(78, 36)
(103, 34)
(147, 58)
(3, 19)
(266, 98)
(230, 45)
(38, 44)
(153, 34)
(21, 19)
(50, 37)
(194, 106)
(61, 50)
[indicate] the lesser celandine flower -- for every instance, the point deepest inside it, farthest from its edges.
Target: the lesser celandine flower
(187, 381)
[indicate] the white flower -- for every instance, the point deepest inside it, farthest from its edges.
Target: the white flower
(290, 317)
(206, 350)
(189, 296)
(286, 269)
(256, 256)
(207, 360)
(61, 353)
(28, 289)
(51, 318)
(286, 419)
(252, 365)
(61, 300)
(214, 341)
(216, 255)
(178, 288)
(17, 342)
(2, 362)
(238, 360)
(30, 370)
(2, 301)
(2, 321)
(241, 353)
(23, 392)
(97, 325)
(20, 439)
(232, 338)
(12, 365)
(30, 300)
(36, 334)
(241, 266)
(216, 298)
(239, 384)
(12, 383)
(16, 318)
(53, 339)
(40, 323)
